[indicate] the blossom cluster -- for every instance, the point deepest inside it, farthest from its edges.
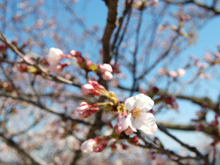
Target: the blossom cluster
(56, 55)
(134, 114)
(178, 73)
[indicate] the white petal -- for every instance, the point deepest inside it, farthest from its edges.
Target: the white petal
(130, 122)
(143, 102)
(129, 103)
(146, 123)
(149, 130)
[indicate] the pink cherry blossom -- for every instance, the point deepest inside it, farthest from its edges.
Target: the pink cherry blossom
(88, 89)
(105, 68)
(139, 117)
(54, 56)
(107, 76)
(88, 146)
(75, 53)
(93, 88)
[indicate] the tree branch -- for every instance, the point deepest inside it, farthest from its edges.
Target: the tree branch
(33, 160)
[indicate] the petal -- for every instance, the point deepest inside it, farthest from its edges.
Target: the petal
(149, 130)
(129, 103)
(146, 123)
(143, 102)
(122, 124)
(130, 122)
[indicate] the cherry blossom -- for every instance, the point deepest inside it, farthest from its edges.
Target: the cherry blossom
(139, 117)
(193, 36)
(93, 88)
(88, 145)
(55, 68)
(181, 72)
(85, 110)
(54, 56)
(107, 76)
(106, 70)
(173, 74)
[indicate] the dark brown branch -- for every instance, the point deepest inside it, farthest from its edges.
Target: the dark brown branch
(212, 8)
(190, 148)
(43, 73)
(177, 126)
(111, 20)
(39, 105)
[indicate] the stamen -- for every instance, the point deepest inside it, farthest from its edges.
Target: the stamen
(136, 112)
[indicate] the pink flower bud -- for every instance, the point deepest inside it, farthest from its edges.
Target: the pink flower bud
(89, 63)
(75, 53)
(121, 124)
(105, 68)
(85, 110)
(88, 145)
(88, 89)
(54, 56)
(107, 76)
(82, 107)
(96, 85)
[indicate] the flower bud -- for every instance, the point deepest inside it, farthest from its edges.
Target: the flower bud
(88, 145)
(107, 76)
(105, 68)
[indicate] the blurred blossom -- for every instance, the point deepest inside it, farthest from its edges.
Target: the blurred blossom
(54, 56)
(208, 57)
(107, 76)
(55, 68)
(86, 110)
(193, 36)
(88, 145)
(173, 74)
(106, 70)
(201, 65)
(162, 71)
(181, 72)
(93, 88)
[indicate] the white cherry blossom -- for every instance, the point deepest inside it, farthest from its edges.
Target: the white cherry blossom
(54, 56)
(139, 117)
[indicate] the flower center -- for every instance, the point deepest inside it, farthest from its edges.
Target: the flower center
(135, 112)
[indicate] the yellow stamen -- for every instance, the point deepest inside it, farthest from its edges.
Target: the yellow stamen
(136, 112)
